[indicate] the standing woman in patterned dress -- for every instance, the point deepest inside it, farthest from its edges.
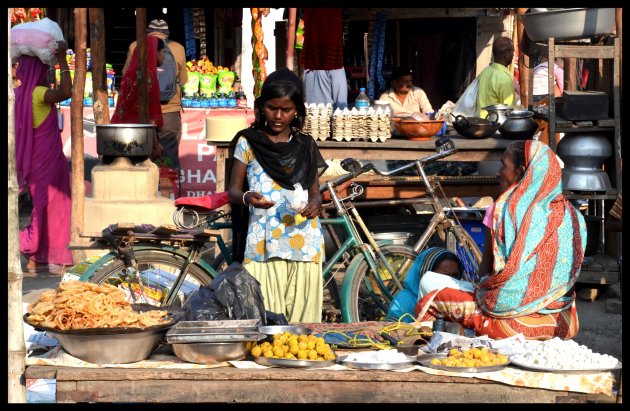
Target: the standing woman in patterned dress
(282, 252)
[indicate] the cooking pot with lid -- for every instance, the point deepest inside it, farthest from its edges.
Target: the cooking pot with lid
(519, 125)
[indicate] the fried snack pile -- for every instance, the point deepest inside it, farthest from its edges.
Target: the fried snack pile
(293, 347)
(474, 357)
(79, 305)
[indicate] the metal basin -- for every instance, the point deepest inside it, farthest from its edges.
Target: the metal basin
(567, 24)
(210, 353)
(125, 140)
(119, 348)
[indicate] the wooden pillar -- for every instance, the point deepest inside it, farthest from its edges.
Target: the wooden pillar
(291, 38)
(16, 348)
(570, 73)
(619, 36)
(524, 62)
(76, 129)
(141, 46)
(99, 75)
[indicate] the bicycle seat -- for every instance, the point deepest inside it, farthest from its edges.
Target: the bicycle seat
(207, 203)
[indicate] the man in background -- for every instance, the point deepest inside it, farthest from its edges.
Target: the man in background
(322, 57)
(171, 132)
(496, 85)
(404, 98)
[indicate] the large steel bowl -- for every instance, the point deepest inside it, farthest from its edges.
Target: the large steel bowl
(120, 348)
(568, 24)
(210, 353)
(125, 140)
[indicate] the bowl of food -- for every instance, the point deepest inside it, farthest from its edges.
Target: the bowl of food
(96, 323)
(415, 130)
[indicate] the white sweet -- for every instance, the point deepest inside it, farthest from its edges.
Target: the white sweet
(377, 357)
(559, 354)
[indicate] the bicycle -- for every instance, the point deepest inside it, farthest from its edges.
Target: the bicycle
(161, 266)
(370, 280)
(374, 270)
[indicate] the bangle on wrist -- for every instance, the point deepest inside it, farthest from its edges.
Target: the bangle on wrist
(244, 194)
(64, 71)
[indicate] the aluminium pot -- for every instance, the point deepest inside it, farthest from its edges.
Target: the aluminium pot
(519, 125)
(568, 24)
(125, 140)
(497, 112)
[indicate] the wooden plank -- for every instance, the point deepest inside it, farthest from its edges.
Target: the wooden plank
(584, 52)
(283, 385)
(298, 391)
(94, 245)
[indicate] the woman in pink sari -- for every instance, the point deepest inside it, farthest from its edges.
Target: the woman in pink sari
(42, 168)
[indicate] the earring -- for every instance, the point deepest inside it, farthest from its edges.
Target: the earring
(295, 115)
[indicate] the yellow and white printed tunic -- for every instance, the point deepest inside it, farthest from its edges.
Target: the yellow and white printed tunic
(273, 232)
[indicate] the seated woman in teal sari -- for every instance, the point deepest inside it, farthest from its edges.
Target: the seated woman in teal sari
(532, 256)
(432, 260)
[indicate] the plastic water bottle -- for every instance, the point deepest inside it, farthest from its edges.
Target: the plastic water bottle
(362, 101)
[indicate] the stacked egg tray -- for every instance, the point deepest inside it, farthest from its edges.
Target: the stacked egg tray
(361, 125)
(317, 122)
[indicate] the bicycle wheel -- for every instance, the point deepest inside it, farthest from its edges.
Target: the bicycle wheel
(158, 271)
(365, 301)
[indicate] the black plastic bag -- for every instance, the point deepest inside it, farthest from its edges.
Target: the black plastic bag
(232, 295)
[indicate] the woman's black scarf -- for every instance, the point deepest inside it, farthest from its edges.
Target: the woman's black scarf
(296, 161)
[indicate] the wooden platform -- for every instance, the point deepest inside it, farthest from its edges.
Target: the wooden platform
(286, 385)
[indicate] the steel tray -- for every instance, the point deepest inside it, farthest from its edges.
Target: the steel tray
(377, 366)
(555, 370)
(425, 361)
(286, 363)
(223, 327)
(213, 338)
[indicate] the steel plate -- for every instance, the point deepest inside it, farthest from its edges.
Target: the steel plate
(555, 370)
(283, 362)
(425, 361)
(377, 366)
(271, 330)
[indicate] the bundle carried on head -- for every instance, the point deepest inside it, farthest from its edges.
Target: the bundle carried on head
(38, 39)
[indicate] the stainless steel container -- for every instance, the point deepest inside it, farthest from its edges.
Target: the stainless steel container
(119, 348)
(497, 112)
(519, 125)
(125, 140)
(583, 156)
(210, 353)
(567, 24)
